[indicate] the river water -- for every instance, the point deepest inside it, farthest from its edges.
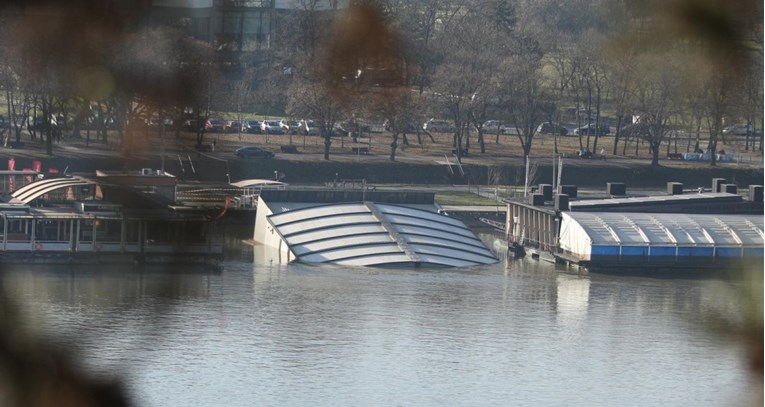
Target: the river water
(518, 333)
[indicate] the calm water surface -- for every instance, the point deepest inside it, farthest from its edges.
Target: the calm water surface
(519, 334)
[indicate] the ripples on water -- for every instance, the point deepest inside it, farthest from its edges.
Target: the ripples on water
(266, 335)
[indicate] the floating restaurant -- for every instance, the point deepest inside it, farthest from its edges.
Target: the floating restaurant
(701, 230)
(109, 217)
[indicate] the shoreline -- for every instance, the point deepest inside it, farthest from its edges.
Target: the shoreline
(318, 172)
(415, 165)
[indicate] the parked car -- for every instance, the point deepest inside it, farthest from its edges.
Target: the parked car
(271, 127)
(409, 127)
(552, 128)
(438, 126)
(95, 123)
(739, 130)
(308, 127)
(39, 123)
(252, 151)
(251, 126)
(191, 125)
(155, 121)
(215, 126)
(233, 126)
(289, 126)
(494, 126)
(373, 126)
(592, 129)
(342, 129)
(634, 129)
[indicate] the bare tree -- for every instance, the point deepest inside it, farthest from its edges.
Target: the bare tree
(426, 21)
(620, 81)
(466, 82)
(721, 97)
(324, 105)
(161, 70)
(753, 100)
(656, 94)
(489, 44)
(527, 102)
(400, 108)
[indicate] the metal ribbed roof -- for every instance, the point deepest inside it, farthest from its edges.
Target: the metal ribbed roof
(597, 204)
(607, 228)
(369, 234)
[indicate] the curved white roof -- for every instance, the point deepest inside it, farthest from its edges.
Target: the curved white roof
(580, 231)
(369, 234)
(34, 190)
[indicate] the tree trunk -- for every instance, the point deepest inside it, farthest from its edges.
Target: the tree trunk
(526, 150)
(697, 146)
(655, 147)
(597, 119)
(712, 148)
(467, 136)
(624, 145)
(394, 146)
(618, 132)
(327, 144)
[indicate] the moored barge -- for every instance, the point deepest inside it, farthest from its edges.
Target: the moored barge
(110, 218)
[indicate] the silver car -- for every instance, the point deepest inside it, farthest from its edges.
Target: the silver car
(271, 127)
(438, 126)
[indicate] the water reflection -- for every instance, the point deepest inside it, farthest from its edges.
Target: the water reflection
(269, 334)
(573, 297)
(106, 286)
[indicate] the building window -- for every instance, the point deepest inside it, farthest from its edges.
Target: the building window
(229, 23)
(242, 31)
(256, 24)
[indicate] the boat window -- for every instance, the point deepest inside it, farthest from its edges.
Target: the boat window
(159, 232)
(86, 230)
(19, 230)
(53, 230)
(131, 231)
(108, 230)
(194, 232)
